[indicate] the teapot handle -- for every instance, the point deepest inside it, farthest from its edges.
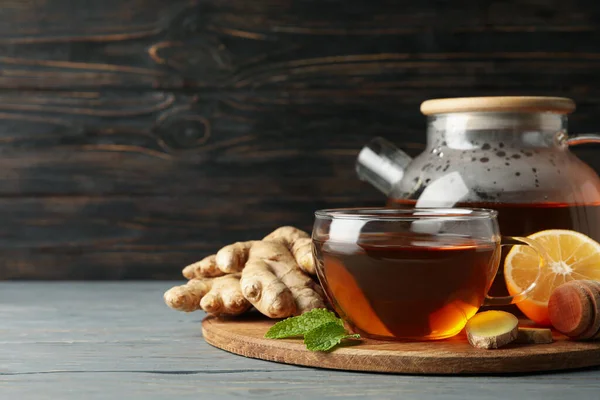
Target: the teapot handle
(583, 138)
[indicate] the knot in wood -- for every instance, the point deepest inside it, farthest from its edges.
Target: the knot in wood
(183, 131)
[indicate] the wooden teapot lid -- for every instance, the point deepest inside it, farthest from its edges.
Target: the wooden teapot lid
(529, 104)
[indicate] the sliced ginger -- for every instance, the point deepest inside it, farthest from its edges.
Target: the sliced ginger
(270, 274)
(533, 336)
(492, 329)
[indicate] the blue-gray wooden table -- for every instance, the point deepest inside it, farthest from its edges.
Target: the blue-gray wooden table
(85, 340)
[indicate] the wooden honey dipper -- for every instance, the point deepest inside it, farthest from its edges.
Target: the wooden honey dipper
(574, 309)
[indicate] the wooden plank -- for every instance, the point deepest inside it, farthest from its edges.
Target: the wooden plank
(137, 237)
(379, 17)
(130, 237)
(106, 143)
(163, 143)
(277, 45)
(118, 340)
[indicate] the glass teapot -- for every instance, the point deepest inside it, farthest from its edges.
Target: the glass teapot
(506, 153)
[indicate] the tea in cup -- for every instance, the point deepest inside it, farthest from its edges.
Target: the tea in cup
(415, 274)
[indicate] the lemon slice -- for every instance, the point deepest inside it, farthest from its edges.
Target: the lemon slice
(573, 255)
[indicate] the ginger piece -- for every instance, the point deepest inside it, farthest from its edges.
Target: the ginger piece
(275, 285)
(533, 336)
(492, 329)
(207, 267)
(228, 260)
(219, 296)
(270, 274)
(299, 243)
(232, 258)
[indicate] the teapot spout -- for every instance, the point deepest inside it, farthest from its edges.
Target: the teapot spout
(382, 165)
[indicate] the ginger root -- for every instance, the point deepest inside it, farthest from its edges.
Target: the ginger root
(232, 258)
(299, 243)
(533, 336)
(492, 329)
(270, 274)
(205, 268)
(221, 295)
(275, 285)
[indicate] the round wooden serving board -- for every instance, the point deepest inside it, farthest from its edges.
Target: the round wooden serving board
(244, 336)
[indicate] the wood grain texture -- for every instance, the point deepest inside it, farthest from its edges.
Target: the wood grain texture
(209, 107)
(103, 340)
(245, 336)
(133, 237)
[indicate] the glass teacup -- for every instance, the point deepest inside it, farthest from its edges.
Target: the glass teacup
(416, 274)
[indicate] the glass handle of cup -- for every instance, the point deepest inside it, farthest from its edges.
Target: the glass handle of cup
(543, 257)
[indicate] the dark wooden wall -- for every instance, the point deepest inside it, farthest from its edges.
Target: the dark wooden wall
(139, 135)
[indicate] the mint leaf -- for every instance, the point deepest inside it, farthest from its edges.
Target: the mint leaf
(326, 336)
(302, 324)
(321, 329)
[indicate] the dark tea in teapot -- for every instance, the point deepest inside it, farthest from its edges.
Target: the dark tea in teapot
(524, 219)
